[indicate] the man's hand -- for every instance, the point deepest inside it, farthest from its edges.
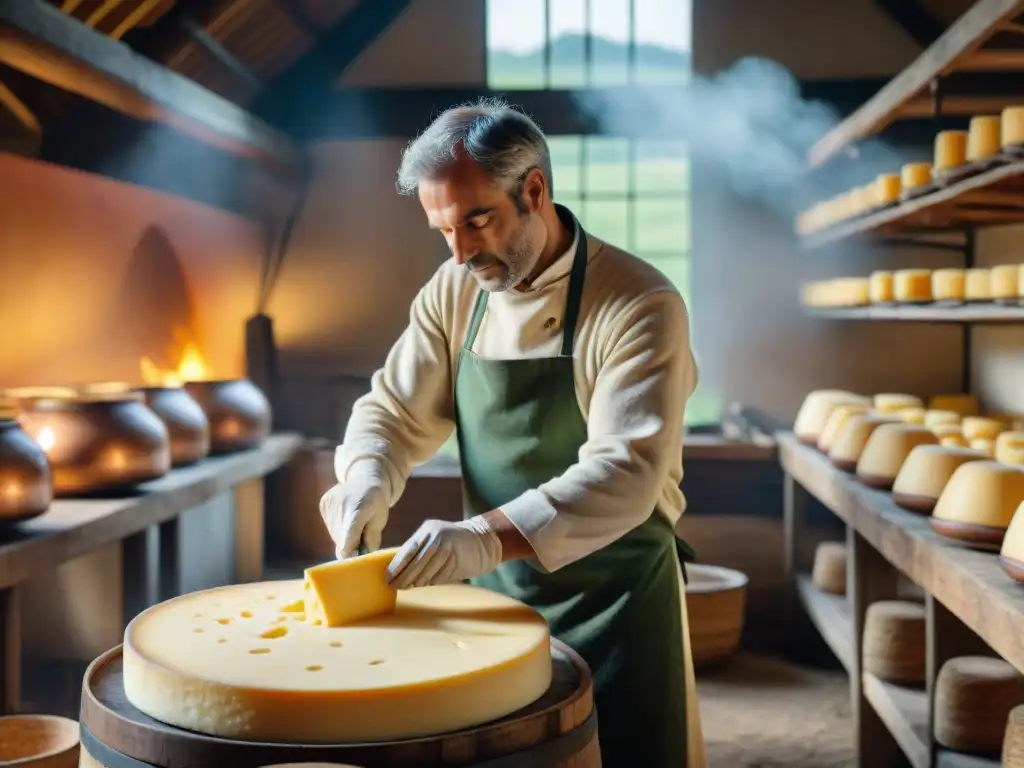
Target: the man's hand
(443, 553)
(355, 513)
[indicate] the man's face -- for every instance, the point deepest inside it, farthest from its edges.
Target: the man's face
(496, 241)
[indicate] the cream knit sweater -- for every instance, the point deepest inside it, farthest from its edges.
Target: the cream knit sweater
(633, 370)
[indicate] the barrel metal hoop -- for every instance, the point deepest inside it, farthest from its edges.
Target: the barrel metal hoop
(104, 755)
(549, 752)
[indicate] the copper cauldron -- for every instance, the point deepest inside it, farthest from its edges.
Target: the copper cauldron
(185, 420)
(26, 485)
(238, 411)
(97, 441)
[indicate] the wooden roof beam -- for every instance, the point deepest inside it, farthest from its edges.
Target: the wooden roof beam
(37, 39)
(913, 19)
(312, 76)
(965, 36)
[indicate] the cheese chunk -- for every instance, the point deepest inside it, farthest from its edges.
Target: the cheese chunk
(914, 175)
(950, 150)
(984, 137)
(346, 591)
(912, 285)
(229, 662)
(880, 286)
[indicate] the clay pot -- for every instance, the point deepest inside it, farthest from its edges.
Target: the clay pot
(186, 423)
(238, 411)
(26, 486)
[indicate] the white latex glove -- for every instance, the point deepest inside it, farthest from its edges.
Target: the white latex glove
(443, 553)
(355, 512)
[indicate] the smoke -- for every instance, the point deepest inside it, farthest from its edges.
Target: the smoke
(751, 124)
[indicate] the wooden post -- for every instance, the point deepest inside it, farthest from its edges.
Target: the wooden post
(794, 517)
(869, 578)
(947, 637)
(249, 530)
(261, 356)
(10, 615)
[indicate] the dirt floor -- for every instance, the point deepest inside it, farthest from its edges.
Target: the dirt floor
(764, 713)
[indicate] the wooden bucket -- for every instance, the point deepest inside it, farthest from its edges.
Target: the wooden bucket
(38, 741)
(559, 730)
(715, 603)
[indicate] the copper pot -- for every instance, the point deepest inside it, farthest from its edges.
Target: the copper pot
(186, 423)
(26, 486)
(97, 441)
(238, 411)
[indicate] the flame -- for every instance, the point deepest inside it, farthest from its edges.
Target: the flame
(192, 366)
(46, 438)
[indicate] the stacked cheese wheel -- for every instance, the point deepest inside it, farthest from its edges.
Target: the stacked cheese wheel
(1002, 284)
(956, 154)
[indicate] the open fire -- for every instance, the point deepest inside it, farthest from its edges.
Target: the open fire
(191, 366)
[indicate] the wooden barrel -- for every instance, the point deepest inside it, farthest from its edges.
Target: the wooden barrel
(715, 605)
(559, 730)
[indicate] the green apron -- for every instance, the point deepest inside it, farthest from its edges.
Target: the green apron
(518, 426)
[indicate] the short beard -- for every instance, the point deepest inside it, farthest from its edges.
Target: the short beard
(518, 259)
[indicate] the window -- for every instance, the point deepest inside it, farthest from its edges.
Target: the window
(633, 193)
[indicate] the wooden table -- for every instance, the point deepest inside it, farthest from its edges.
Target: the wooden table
(972, 606)
(72, 528)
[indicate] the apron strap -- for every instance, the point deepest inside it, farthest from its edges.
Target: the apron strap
(572, 300)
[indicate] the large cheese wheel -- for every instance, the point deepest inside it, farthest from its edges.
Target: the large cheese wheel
(239, 662)
(925, 473)
(974, 695)
(981, 427)
(984, 138)
(887, 188)
(965, 405)
(981, 493)
(816, 409)
(1009, 448)
(894, 641)
(892, 402)
(887, 449)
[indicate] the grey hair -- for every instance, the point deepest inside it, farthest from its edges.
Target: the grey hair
(501, 139)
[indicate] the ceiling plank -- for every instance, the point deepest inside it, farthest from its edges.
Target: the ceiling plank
(312, 76)
(914, 20)
(37, 39)
(223, 56)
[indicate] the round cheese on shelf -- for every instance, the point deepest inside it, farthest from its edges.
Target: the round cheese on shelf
(816, 409)
(926, 471)
(984, 493)
(1020, 282)
(887, 449)
(912, 286)
(984, 444)
(976, 285)
(948, 284)
(984, 139)
(953, 440)
(936, 418)
(981, 427)
(851, 291)
(914, 175)
(1011, 128)
(880, 287)
(887, 188)
(950, 150)
(965, 405)
(974, 696)
(912, 415)
(835, 422)
(242, 662)
(1003, 281)
(891, 402)
(1009, 448)
(829, 570)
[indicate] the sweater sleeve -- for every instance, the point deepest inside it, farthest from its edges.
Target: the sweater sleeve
(634, 432)
(407, 414)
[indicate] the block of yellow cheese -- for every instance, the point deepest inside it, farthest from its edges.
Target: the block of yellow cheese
(231, 662)
(950, 150)
(983, 137)
(911, 286)
(1011, 129)
(915, 175)
(965, 405)
(880, 287)
(948, 284)
(346, 591)
(976, 285)
(1003, 282)
(887, 188)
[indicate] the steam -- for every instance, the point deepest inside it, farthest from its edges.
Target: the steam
(751, 124)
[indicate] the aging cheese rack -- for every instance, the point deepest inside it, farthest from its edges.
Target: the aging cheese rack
(972, 606)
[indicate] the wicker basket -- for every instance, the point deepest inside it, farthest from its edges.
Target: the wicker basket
(894, 641)
(38, 741)
(974, 696)
(715, 603)
(829, 573)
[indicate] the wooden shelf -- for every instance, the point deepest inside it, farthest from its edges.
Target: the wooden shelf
(991, 197)
(905, 713)
(830, 616)
(74, 527)
(961, 48)
(978, 314)
(969, 583)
